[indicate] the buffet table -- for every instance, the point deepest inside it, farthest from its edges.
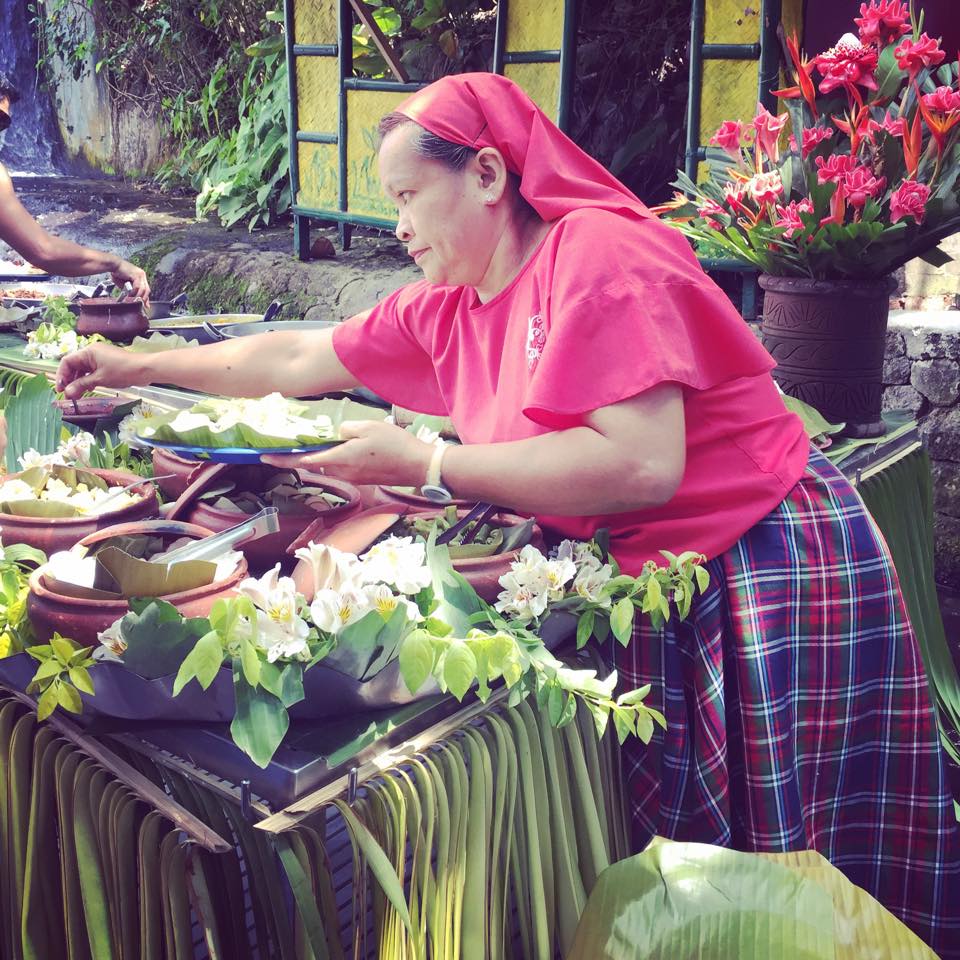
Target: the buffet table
(124, 840)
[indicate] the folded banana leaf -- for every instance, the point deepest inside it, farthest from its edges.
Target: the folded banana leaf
(143, 578)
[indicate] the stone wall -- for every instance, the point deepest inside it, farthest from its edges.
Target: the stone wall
(922, 375)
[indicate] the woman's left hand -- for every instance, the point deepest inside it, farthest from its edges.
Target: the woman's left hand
(372, 452)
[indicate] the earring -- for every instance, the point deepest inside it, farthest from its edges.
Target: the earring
(488, 198)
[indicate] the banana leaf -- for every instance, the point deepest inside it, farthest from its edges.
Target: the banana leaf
(144, 578)
(34, 422)
(689, 899)
(43, 509)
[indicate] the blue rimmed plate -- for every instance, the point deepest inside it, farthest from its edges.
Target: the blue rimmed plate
(233, 454)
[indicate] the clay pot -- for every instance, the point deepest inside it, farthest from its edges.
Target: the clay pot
(262, 554)
(86, 411)
(166, 462)
(121, 319)
(829, 341)
(81, 619)
(51, 534)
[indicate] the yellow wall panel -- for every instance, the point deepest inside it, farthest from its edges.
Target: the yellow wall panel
(317, 84)
(319, 186)
(364, 110)
(541, 81)
(729, 93)
(732, 21)
(534, 25)
(315, 21)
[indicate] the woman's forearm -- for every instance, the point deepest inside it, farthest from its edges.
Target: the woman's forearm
(574, 472)
(297, 364)
(68, 259)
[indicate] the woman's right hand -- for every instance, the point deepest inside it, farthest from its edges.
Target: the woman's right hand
(99, 365)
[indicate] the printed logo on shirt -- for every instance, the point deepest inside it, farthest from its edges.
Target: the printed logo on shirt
(536, 339)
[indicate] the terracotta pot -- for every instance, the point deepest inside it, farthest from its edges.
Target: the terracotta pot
(262, 554)
(121, 319)
(166, 462)
(829, 340)
(86, 411)
(484, 573)
(61, 533)
(81, 620)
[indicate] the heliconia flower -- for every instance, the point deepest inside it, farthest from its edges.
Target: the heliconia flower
(912, 56)
(942, 100)
(861, 184)
(804, 72)
(768, 127)
(765, 187)
(729, 138)
(812, 138)
(909, 200)
(834, 168)
(883, 21)
(789, 216)
(849, 64)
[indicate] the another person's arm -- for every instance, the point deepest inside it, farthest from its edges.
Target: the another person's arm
(54, 254)
(296, 364)
(627, 456)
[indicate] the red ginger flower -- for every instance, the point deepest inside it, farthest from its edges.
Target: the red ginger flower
(765, 187)
(860, 184)
(709, 212)
(734, 194)
(768, 129)
(834, 168)
(895, 127)
(849, 64)
(789, 216)
(813, 137)
(729, 137)
(909, 200)
(913, 57)
(942, 100)
(883, 21)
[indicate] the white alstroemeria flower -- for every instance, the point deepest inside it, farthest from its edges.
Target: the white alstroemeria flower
(281, 631)
(558, 574)
(589, 584)
(332, 610)
(76, 449)
(523, 598)
(398, 561)
(382, 599)
(580, 553)
(112, 640)
(332, 568)
(31, 458)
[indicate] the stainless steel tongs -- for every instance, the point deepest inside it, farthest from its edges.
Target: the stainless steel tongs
(209, 548)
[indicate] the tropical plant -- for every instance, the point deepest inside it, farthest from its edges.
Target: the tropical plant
(64, 671)
(17, 561)
(869, 178)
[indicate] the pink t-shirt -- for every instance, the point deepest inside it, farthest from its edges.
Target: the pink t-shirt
(604, 309)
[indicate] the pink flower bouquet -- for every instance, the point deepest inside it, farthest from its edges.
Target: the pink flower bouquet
(866, 178)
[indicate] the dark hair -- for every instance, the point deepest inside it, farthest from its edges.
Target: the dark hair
(429, 145)
(7, 89)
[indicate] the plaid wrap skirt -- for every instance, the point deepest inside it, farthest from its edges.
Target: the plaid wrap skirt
(798, 712)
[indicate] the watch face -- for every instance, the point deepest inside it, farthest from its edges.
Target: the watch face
(435, 493)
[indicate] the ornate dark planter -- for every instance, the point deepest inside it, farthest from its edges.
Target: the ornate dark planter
(828, 340)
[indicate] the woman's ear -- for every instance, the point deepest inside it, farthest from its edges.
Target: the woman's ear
(491, 173)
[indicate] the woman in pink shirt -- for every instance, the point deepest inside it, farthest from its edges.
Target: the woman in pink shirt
(598, 378)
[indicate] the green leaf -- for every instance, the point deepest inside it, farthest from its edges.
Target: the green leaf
(703, 577)
(68, 698)
(158, 638)
(284, 681)
(260, 722)
(624, 720)
(47, 670)
(34, 422)
(634, 697)
(47, 703)
(203, 662)
(416, 659)
(555, 703)
(250, 660)
(644, 725)
(80, 678)
(621, 620)
(62, 648)
(459, 669)
(585, 628)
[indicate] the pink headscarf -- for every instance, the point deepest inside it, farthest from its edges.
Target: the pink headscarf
(487, 110)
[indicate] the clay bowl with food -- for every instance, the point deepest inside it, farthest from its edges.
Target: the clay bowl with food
(51, 534)
(53, 607)
(121, 319)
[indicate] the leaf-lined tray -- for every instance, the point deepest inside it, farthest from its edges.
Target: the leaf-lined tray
(233, 454)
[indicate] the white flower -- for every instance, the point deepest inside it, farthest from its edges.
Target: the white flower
(112, 638)
(398, 561)
(31, 458)
(281, 631)
(332, 610)
(76, 449)
(580, 553)
(589, 584)
(558, 574)
(382, 599)
(332, 568)
(127, 428)
(522, 597)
